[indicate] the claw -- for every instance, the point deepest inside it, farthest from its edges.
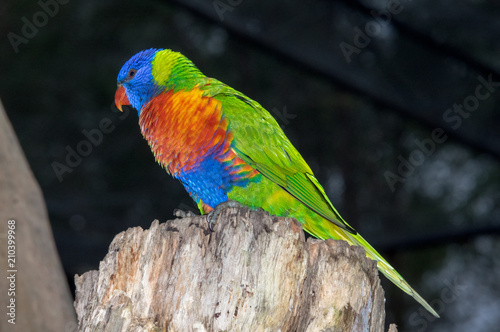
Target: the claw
(213, 215)
(211, 219)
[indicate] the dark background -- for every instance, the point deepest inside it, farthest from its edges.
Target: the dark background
(354, 118)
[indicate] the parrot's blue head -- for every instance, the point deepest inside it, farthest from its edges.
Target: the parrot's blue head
(136, 84)
(149, 73)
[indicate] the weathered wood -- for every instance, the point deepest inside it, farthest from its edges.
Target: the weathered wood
(253, 273)
(40, 290)
(393, 328)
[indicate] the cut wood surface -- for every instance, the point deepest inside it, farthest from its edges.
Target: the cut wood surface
(253, 273)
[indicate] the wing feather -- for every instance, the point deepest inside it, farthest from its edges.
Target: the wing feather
(261, 143)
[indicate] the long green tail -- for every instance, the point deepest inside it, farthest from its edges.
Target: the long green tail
(324, 229)
(390, 272)
(279, 202)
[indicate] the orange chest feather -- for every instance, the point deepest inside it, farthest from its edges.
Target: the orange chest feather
(184, 127)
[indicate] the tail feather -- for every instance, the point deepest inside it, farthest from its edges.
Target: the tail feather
(281, 203)
(330, 230)
(390, 272)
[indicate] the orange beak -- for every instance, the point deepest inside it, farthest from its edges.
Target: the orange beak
(121, 98)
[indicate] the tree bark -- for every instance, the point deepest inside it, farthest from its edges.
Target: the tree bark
(253, 273)
(32, 282)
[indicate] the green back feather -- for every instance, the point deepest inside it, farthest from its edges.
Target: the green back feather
(261, 143)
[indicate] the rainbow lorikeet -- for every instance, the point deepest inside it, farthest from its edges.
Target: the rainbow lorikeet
(224, 146)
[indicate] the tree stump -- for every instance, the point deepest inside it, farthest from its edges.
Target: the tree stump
(253, 273)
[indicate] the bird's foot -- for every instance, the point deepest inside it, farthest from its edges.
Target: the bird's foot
(214, 214)
(183, 213)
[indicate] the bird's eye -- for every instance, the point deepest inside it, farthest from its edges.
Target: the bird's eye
(131, 74)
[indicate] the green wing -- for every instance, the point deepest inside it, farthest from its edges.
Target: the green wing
(260, 142)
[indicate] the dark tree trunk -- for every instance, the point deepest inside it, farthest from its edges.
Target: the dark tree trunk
(40, 292)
